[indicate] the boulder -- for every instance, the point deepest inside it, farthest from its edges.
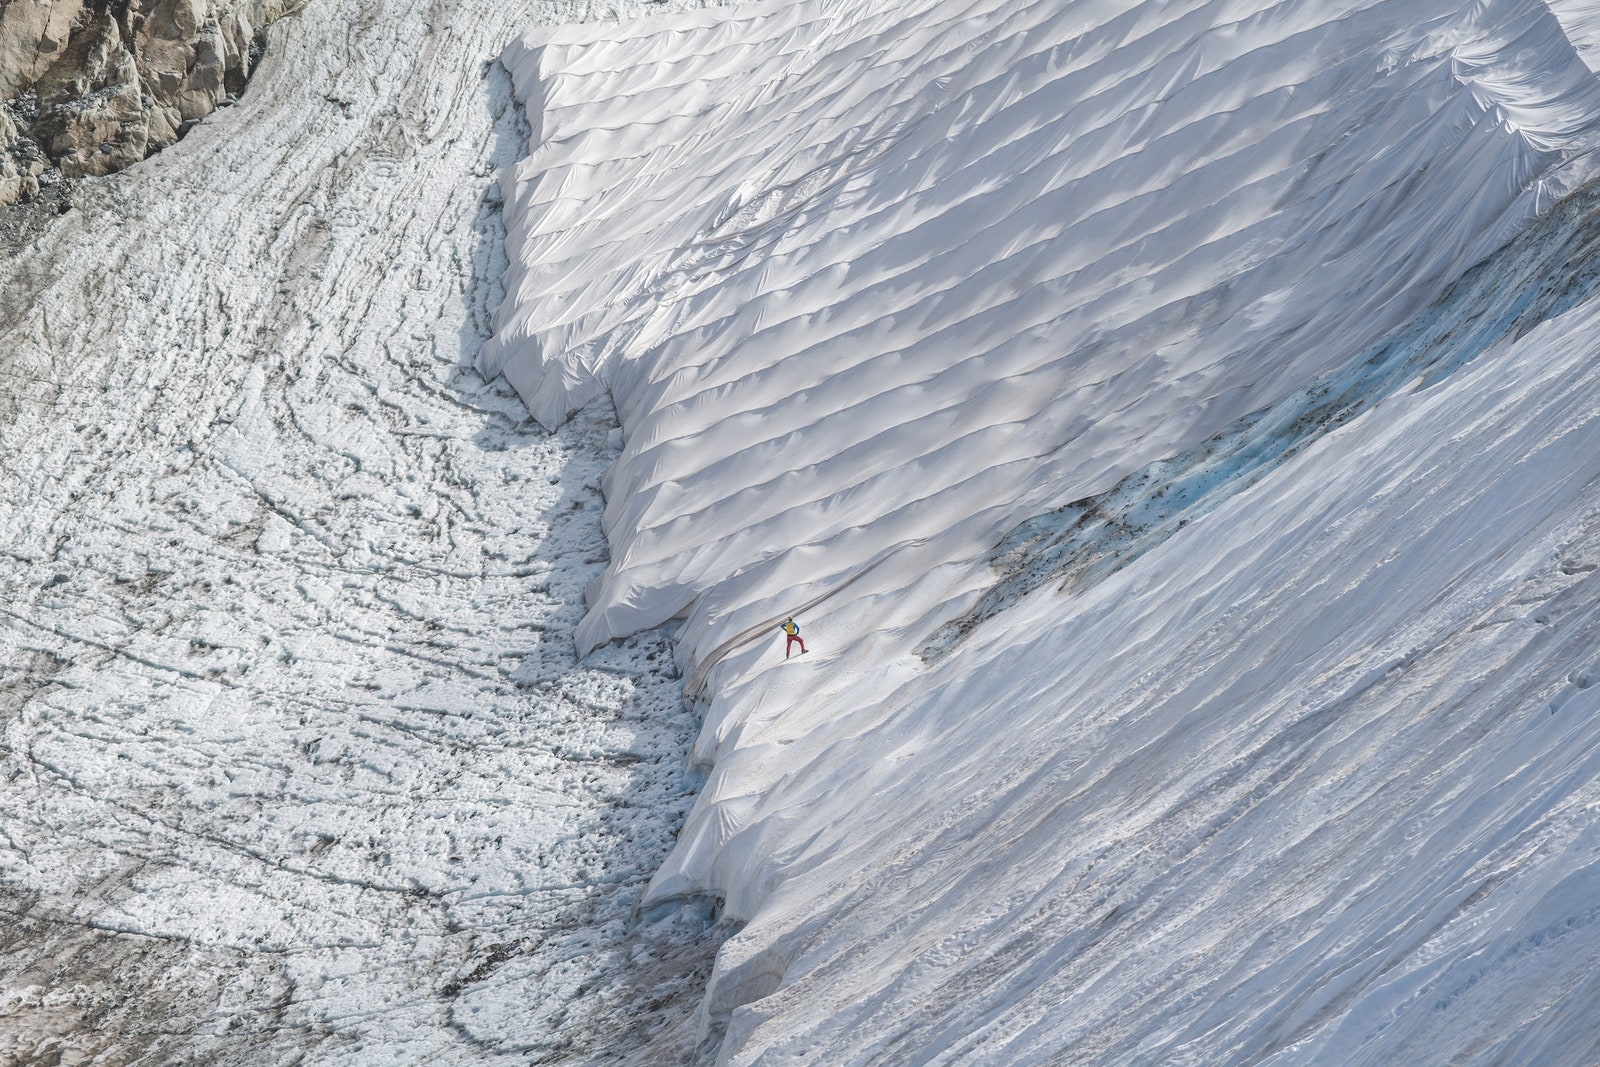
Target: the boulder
(33, 34)
(92, 115)
(95, 60)
(11, 174)
(97, 134)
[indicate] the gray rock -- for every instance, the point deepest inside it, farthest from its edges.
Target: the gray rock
(92, 115)
(95, 60)
(109, 83)
(33, 34)
(12, 175)
(97, 134)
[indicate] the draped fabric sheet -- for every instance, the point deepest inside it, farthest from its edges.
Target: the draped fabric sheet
(871, 284)
(869, 278)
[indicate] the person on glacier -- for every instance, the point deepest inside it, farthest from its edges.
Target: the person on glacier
(791, 630)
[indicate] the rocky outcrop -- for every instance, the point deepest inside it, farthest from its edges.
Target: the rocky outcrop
(33, 34)
(91, 87)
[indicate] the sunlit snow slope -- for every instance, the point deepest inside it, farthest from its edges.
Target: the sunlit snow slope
(872, 285)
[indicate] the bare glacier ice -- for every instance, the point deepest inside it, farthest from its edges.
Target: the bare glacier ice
(300, 765)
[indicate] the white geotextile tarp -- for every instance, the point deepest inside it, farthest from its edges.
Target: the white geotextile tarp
(874, 281)
(870, 284)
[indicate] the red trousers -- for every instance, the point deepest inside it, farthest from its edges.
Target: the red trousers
(789, 644)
